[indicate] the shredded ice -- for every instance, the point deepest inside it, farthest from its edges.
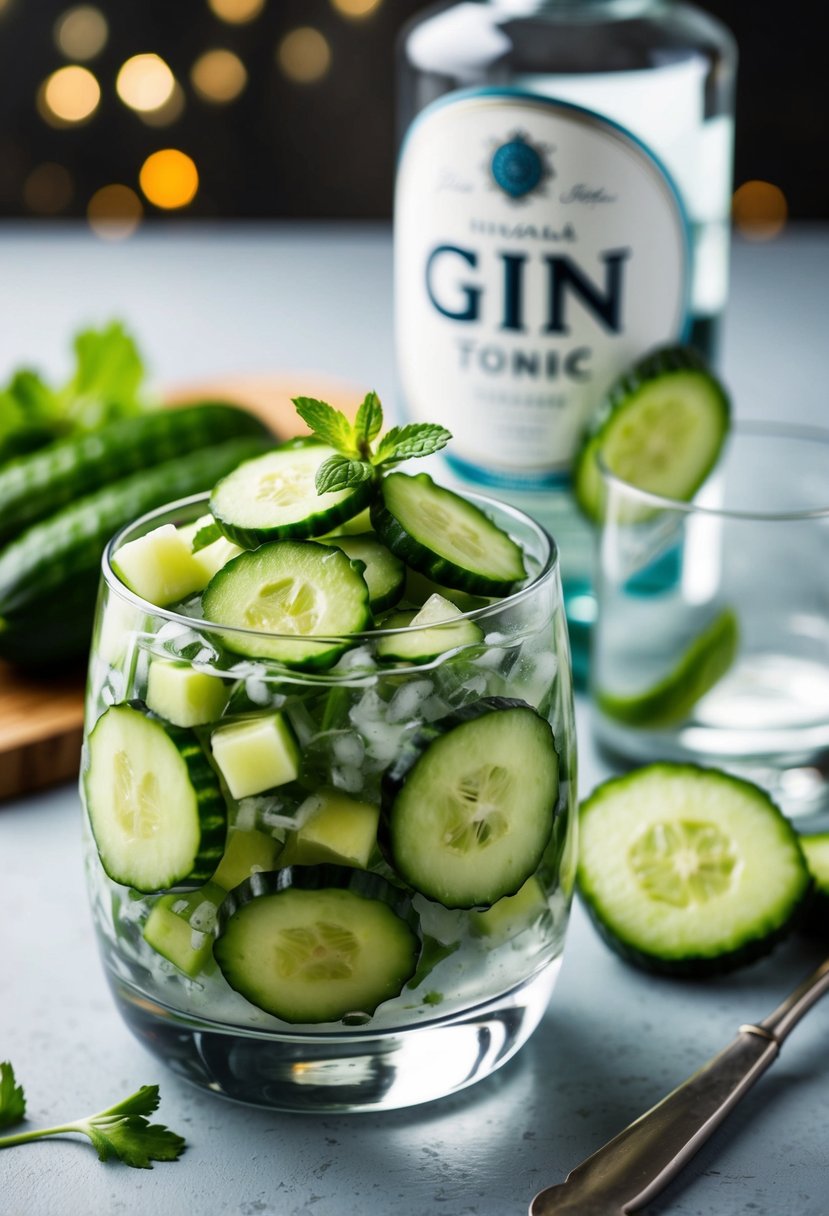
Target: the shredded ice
(406, 702)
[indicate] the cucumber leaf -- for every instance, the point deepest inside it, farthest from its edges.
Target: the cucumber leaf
(107, 381)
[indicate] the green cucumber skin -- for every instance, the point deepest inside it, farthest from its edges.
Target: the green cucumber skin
(422, 559)
(68, 545)
(691, 966)
(35, 486)
(396, 775)
(310, 527)
(815, 919)
(655, 365)
(212, 810)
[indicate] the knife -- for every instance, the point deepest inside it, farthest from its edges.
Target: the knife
(633, 1167)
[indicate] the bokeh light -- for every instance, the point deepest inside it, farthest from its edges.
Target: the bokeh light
(3, 5)
(81, 33)
(114, 212)
(169, 179)
(304, 55)
(69, 96)
(356, 10)
(167, 114)
(145, 83)
(48, 189)
(236, 12)
(760, 210)
(218, 76)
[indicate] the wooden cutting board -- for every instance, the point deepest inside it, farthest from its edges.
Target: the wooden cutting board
(41, 721)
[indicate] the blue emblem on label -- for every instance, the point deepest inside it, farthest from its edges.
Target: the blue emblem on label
(518, 167)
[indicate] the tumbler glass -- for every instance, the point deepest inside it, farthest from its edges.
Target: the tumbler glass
(484, 974)
(712, 644)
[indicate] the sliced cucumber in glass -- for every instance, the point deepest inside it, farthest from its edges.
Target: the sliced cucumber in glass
(275, 496)
(384, 573)
(446, 537)
(439, 628)
(469, 806)
(312, 944)
(155, 807)
(293, 590)
(688, 871)
(661, 428)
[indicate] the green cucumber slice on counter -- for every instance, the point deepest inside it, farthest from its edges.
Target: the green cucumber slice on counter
(154, 803)
(468, 808)
(293, 590)
(274, 496)
(661, 427)
(699, 668)
(445, 537)
(384, 573)
(312, 944)
(439, 628)
(687, 870)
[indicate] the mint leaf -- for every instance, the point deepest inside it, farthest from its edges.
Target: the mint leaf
(328, 424)
(368, 422)
(340, 473)
(206, 536)
(405, 442)
(12, 1098)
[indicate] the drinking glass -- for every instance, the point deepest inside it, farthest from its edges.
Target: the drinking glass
(484, 975)
(712, 643)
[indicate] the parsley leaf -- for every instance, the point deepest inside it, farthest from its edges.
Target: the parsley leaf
(328, 424)
(340, 473)
(416, 439)
(12, 1099)
(122, 1131)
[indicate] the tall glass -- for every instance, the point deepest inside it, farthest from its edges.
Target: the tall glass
(713, 636)
(484, 976)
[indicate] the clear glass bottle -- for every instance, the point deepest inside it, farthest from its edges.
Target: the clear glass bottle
(562, 205)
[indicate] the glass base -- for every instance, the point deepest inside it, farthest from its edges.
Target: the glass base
(340, 1072)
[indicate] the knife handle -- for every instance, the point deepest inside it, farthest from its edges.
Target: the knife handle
(636, 1165)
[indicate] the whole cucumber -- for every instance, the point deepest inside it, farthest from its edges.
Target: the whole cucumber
(34, 486)
(56, 554)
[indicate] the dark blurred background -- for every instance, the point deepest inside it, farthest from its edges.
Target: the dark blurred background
(117, 111)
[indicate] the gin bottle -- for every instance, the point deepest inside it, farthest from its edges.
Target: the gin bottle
(562, 206)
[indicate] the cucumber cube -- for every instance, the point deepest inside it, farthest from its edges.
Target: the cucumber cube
(181, 927)
(338, 829)
(256, 755)
(159, 567)
(512, 913)
(186, 697)
(246, 853)
(212, 557)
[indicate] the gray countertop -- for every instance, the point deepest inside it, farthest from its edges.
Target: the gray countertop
(613, 1041)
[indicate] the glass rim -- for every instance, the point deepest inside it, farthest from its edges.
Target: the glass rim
(803, 432)
(548, 568)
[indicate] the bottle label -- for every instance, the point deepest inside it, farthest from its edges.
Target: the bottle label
(539, 250)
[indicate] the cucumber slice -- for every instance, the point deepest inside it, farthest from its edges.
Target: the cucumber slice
(661, 428)
(439, 627)
(256, 755)
(294, 589)
(469, 807)
(699, 668)
(816, 913)
(245, 853)
(688, 871)
(274, 496)
(384, 573)
(155, 808)
(212, 557)
(512, 914)
(445, 537)
(335, 828)
(313, 944)
(184, 696)
(160, 567)
(181, 928)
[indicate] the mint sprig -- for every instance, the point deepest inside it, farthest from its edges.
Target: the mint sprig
(357, 459)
